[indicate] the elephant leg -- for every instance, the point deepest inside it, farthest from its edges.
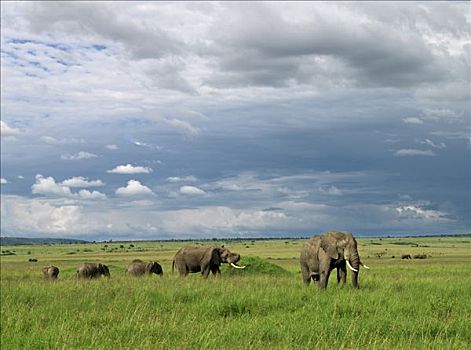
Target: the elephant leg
(215, 270)
(324, 270)
(341, 275)
(205, 271)
(306, 275)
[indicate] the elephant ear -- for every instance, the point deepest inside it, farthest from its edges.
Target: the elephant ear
(329, 245)
(215, 254)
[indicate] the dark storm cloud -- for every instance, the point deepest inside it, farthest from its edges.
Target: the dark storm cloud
(270, 49)
(103, 20)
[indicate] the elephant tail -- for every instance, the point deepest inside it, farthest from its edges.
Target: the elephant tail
(173, 265)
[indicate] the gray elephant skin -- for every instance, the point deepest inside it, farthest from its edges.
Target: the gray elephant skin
(92, 270)
(50, 272)
(203, 259)
(142, 268)
(321, 254)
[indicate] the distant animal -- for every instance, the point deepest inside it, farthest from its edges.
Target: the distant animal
(203, 259)
(50, 272)
(141, 268)
(321, 254)
(92, 270)
(420, 256)
(406, 256)
(32, 260)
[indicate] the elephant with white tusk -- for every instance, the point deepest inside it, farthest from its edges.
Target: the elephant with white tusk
(321, 254)
(204, 259)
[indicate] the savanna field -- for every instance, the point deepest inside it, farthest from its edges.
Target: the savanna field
(401, 304)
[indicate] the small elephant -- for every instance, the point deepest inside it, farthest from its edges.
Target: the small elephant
(321, 254)
(50, 272)
(204, 259)
(420, 256)
(406, 256)
(92, 270)
(141, 268)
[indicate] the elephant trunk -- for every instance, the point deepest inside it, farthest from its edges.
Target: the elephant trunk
(355, 262)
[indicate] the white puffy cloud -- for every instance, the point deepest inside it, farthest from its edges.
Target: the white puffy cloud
(112, 147)
(190, 190)
(85, 194)
(130, 169)
(134, 188)
(3, 181)
(79, 181)
(48, 186)
(410, 152)
(79, 156)
(63, 141)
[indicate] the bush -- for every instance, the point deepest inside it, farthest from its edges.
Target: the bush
(254, 265)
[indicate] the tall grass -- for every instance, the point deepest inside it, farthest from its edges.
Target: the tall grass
(418, 305)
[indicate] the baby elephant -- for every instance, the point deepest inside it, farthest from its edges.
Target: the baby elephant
(92, 270)
(50, 272)
(141, 268)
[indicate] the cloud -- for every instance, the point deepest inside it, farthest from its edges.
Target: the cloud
(79, 181)
(440, 145)
(191, 190)
(331, 190)
(54, 141)
(8, 132)
(3, 181)
(48, 186)
(112, 147)
(182, 179)
(408, 152)
(79, 156)
(134, 188)
(413, 120)
(417, 212)
(85, 194)
(183, 126)
(130, 169)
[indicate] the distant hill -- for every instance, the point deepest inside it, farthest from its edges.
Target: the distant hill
(25, 241)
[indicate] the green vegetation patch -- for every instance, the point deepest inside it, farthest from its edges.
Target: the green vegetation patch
(255, 265)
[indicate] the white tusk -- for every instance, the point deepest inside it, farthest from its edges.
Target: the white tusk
(237, 267)
(350, 266)
(366, 267)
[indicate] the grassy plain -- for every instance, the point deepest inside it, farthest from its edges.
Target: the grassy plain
(414, 304)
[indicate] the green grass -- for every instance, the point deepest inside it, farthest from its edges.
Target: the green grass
(417, 304)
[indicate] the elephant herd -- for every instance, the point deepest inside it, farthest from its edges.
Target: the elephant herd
(187, 260)
(319, 256)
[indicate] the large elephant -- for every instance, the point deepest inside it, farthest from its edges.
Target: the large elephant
(321, 254)
(141, 268)
(50, 272)
(203, 259)
(92, 270)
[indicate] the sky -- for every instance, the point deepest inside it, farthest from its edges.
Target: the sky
(188, 120)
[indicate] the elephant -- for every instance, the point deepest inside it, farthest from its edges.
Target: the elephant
(141, 268)
(92, 270)
(50, 272)
(321, 254)
(406, 256)
(420, 256)
(203, 259)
